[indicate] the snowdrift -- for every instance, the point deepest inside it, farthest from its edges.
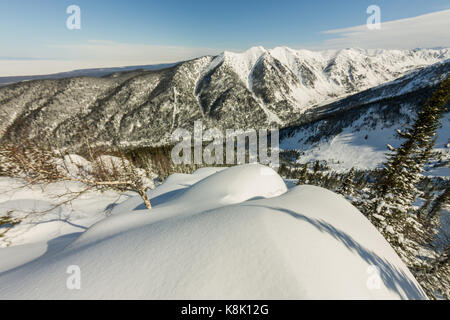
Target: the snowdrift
(236, 233)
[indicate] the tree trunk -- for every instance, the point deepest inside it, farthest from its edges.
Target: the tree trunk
(146, 199)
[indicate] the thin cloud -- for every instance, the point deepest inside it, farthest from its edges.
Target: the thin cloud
(425, 31)
(99, 54)
(114, 51)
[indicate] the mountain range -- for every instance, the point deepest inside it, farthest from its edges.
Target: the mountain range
(259, 88)
(95, 72)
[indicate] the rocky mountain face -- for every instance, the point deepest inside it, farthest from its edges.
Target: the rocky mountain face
(258, 88)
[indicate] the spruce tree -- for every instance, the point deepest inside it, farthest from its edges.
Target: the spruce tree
(348, 183)
(442, 200)
(303, 174)
(317, 174)
(403, 167)
(316, 168)
(395, 190)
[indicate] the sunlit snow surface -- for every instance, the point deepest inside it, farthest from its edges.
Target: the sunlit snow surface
(234, 233)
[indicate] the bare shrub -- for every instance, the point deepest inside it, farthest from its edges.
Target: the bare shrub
(40, 163)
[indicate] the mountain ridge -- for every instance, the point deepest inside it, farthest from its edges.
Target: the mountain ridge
(258, 88)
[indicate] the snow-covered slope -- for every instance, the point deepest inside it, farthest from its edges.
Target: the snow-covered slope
(235, 234)
(360, 145)
(354, 132)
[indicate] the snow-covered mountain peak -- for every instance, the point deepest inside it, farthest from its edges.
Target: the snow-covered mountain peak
(242, 63)
(333, 72)
(380, 60)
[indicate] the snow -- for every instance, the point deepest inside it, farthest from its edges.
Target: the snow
(243, 63)
(348, 149)
(235, 233)
(360, 145)
(25, 202)
(330, 74)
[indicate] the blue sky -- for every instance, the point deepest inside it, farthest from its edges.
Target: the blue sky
(33, 29)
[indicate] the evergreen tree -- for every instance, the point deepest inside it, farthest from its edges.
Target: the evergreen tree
(425, 208)
(316, 168)
(396, 188)
(347, 187)
(317, 174)
(437, 205)
(303, 174)
(403, 168)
